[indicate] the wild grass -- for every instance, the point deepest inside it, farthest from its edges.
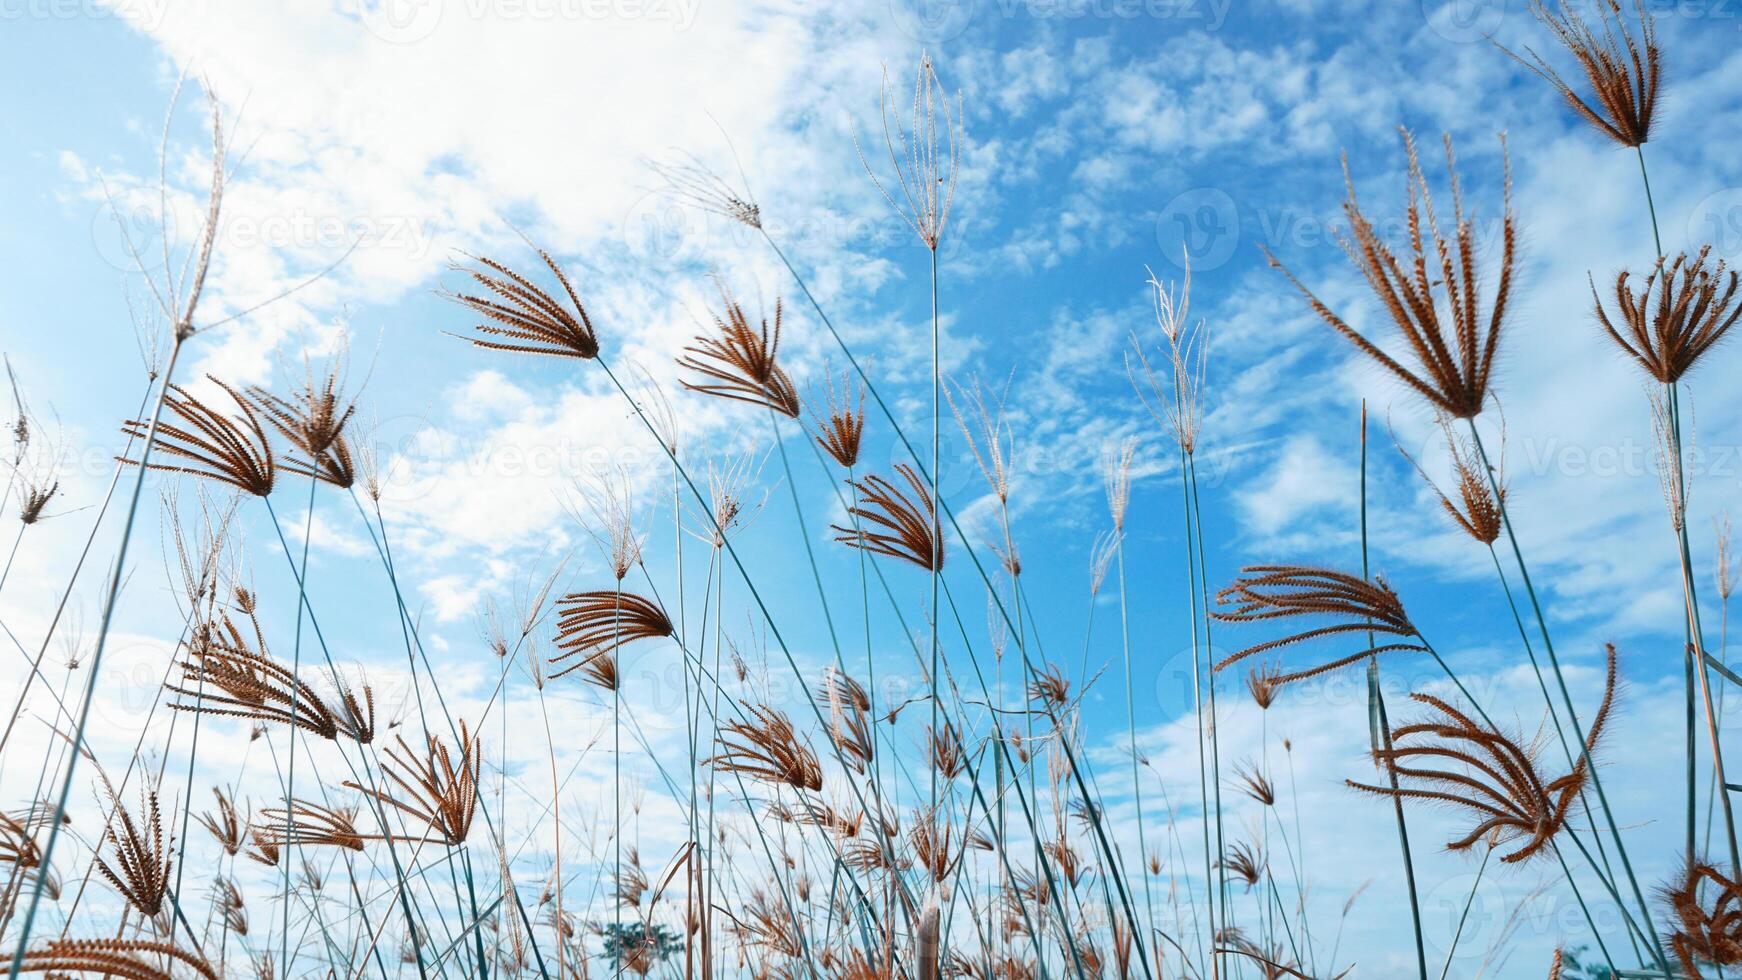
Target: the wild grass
(973, 825)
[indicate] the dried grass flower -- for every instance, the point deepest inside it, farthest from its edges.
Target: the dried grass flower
(223, 675)
(1497, 779)
(1677, 315)
(892, 522)
(925, 154)
(594, 625)
(764, 746)
(434, 789)
(307, 824)
(1431, 292)
(1709, 929)
(1177, 389)
(1478, 511)
(227, 825)
(526, 318)
(739, 362)
(1355, 605)
(313, 421)
(840, 432)
(128, 959)
(1623, 70)
(144, 856)
(232, 450)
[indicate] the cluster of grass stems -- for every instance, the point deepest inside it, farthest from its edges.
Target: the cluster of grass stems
(815, 842)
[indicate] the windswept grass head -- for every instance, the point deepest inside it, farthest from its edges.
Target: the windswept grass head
(738, 362)
(1622, 68)
(1353, 605)
(1430, 287)
(206, 443)
(895, 522)
(521, 318)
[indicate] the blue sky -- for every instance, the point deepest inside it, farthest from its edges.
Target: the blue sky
(1099, 138)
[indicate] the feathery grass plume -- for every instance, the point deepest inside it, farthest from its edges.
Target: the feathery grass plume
(906, 521)
(1116, 479)
(1725, 575)
(764, 923)
(526, 318)
(1668, 450)
(227, 825)
(1452, 372)
(313, 421)
(595, 625)
(1266, 592)
(1261, 684)
(1101, 555)
(1050, 687)
(949, 758)
(222, 675)
(433, 789)
(925, 172)
(841, 431)
(1499, 781)
(230, 449)
(765, 746)
(933, 840)
(35, 499)
(849, 713)
(312, 825)
(128, 959)
(1252, 782)
(263, 849)
(689, 181)
(1679, 313)
(1623, 70)
(1178, 389)
(739, 364)
(1707, 930)
(17, 843)
(231, 906)
(144, 858)
(610, 501)
(1273, 964)
(1245, 862)
(987, 433)
(1479, 512)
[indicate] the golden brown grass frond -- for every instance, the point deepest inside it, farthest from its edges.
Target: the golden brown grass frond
(842, 429)
(434, 789)
(129, 959)
(1245, 862)
(1358, 606)
(1431, 292)
(1707, 930)
(1497, 780)
(765, 923)
(1050, 687)
(263, 849)
(311, 825)
(934, 843)
(848, 707)
(227, 825)
(313, 421)
(1250, 780)
(949, 758)
(1261, 684)
(1623, 70)
(595, 625)
(232, 450)
(222, 675)
(144, 857)
(527, 319)
(766, 747)
(893, 523)
(1678, 315)
(1477, 511)
(739, 362)
(18, 844)
(231, 905)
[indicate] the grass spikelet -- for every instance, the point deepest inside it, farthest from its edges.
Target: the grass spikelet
(766, 747)
(434, 789)
(1675, 317)
(1623, 70)
(739, 362)
(1357, 606)
(527, 319)
(232, 450)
